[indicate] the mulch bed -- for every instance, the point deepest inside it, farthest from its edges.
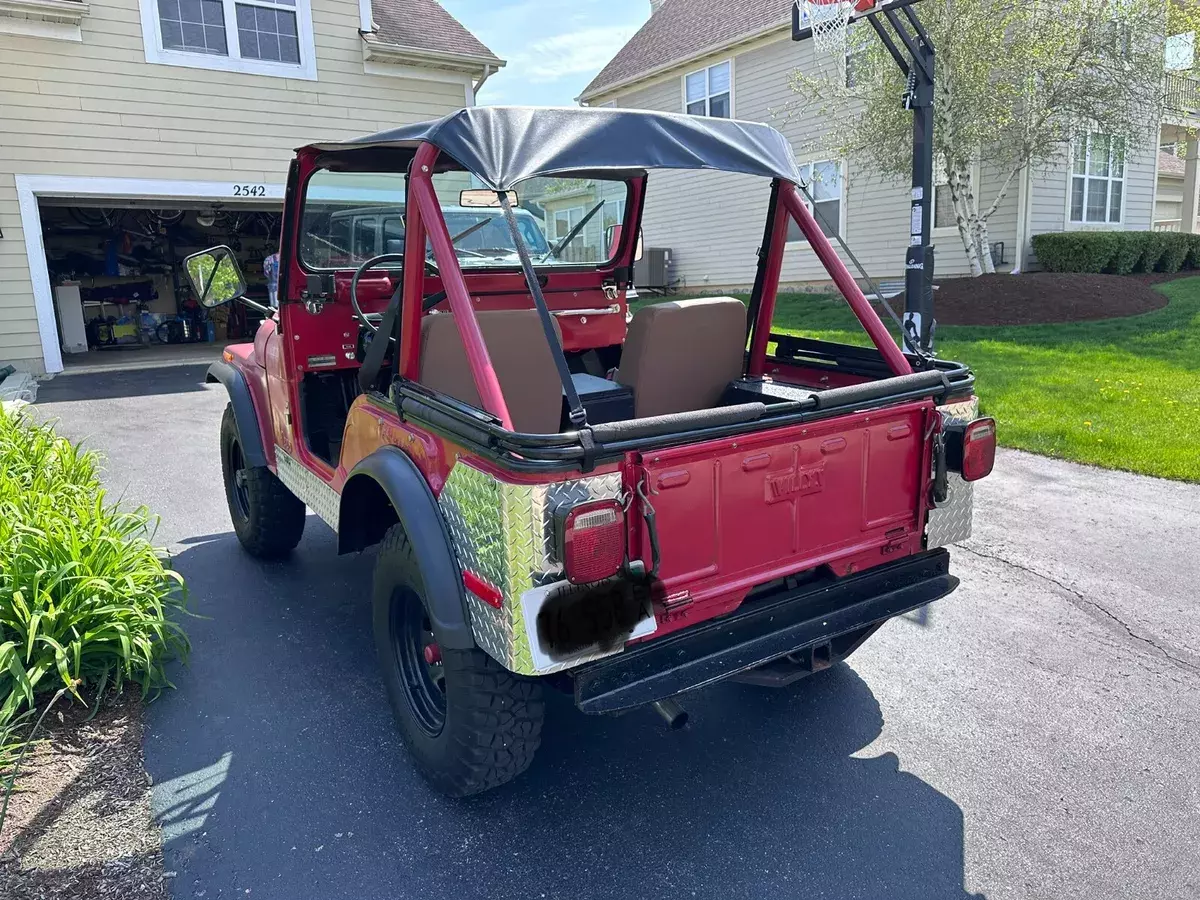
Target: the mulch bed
(79, 824)
(1046, 298)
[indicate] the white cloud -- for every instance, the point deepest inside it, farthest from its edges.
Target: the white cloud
(583, 52)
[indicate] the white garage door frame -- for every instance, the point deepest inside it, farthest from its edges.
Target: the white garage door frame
(31, 188)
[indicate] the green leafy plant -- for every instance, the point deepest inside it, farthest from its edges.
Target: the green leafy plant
(1154, 245)
(1192, 261)
(85, 598)
(1130, 250)
(1076, 251)
(1176, 249)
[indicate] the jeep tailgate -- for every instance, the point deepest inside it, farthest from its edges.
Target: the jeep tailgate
(735, 513)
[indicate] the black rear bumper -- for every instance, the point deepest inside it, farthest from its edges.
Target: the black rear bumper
(763, 629)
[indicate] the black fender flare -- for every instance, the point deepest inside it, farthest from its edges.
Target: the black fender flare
(417, 511)
(243, 411)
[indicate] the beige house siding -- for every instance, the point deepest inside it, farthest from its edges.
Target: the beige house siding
(1051, 186)
(713, 223)
(97, 108)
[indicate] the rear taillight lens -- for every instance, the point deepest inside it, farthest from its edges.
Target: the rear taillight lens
(978, 449)
(591, 541)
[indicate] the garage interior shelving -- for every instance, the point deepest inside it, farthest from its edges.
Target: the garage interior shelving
(116, 269)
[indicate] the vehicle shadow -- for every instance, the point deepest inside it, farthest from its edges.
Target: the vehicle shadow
(167, 379)
(278, 771)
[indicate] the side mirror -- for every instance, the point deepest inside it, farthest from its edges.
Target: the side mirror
(612, 237)
(395, 245)
(215, 276)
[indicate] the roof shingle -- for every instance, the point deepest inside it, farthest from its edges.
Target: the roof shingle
(1170, 164)
(425, 25)
(682, 29)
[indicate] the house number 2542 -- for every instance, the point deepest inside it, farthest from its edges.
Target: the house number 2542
(249, 190)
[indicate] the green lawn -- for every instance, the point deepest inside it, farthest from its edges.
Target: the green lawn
(1120, 393)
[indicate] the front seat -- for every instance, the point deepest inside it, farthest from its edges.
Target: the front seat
(680, 356)
(520, 355)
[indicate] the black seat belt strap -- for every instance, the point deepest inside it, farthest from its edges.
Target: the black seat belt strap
(578, 414)
(373, 361)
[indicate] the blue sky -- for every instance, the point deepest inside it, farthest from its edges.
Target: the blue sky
(552, 52)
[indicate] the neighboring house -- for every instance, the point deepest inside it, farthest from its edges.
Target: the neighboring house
(566, 202)
(1179, 156)
(734, 59)
(174, 104)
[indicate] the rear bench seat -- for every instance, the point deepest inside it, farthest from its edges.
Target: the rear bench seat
(681, 356)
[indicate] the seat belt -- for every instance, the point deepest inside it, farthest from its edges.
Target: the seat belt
(373, 361)
(578, 414)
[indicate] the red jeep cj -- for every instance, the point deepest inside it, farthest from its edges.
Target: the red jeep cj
(622, 507)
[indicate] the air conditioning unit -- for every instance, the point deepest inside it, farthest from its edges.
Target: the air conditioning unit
(653, 271)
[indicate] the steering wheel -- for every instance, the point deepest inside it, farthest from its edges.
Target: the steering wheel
(427, 304)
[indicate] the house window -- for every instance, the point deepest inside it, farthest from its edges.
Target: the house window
(709, 92)
(1097, 179)
(823, 179)
(266, 31)
(261, 37)
(614, 212)
(563, 221)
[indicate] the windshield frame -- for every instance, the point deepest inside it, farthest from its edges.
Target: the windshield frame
(386, 211)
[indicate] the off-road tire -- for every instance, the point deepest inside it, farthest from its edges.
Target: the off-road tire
(268, 519)
(492, 723)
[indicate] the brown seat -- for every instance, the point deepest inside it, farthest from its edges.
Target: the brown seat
(680, 356)
(520, 355)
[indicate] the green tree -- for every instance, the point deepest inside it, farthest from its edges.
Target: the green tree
(1015, 83)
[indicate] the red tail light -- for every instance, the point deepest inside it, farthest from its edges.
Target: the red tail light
(978, 449)
(591, 541)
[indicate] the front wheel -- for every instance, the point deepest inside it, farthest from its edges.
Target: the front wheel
(470, 724)
(268, 519)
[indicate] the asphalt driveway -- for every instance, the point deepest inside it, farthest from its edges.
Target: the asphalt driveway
(1032, 736)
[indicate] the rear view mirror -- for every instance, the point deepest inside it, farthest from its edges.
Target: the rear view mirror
(482, 199)
(395, 245)
(215, 276)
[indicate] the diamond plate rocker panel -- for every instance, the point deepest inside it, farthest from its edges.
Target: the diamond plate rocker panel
(316, 494)
(950, 522)
(504, 533)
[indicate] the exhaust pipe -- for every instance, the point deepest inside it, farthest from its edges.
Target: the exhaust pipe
(673, 714)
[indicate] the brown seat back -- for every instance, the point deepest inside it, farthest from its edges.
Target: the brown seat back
(680, 356)
(520, 355)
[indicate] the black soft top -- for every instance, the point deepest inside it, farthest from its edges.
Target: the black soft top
(504, 145)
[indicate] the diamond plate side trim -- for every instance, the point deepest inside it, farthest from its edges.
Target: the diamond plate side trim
(316, 494)
(950, 522)
(504, 533)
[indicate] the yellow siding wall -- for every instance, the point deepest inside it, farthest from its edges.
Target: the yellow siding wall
(97, 108)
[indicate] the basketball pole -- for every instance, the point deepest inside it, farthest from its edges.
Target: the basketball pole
(915, 57)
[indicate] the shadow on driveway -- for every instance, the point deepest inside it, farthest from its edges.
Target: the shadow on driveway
(279, 774)
(67, 388)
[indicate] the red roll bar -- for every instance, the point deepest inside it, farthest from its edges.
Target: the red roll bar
(424, 219)
(789, 196)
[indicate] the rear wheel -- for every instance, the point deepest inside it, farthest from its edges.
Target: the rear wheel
(267, 518)
(469, 723)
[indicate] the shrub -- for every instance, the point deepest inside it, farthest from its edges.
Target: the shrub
(1075, 251)
(1130, 249)
(85, 599)
(1192, 260)
(1154, 245)
(1177, 246)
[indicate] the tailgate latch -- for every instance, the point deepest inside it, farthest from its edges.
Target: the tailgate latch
(647, 509)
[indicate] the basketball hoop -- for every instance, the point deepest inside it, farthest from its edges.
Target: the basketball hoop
(828, 20)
